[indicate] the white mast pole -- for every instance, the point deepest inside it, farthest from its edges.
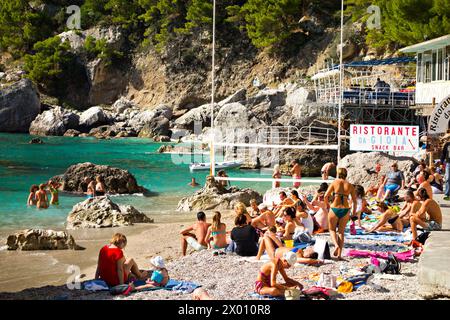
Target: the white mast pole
(213, 89)
(341, 83)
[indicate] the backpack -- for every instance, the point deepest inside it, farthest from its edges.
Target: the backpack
(393, 265)
(423, 237)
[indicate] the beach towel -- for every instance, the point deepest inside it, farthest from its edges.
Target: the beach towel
(380, 236)
(95, 285)
(401, 256)
(173, 285)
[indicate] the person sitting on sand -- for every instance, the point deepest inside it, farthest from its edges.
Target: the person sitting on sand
(296, 172)
(254, 210)
(53, 188)
(41, 197)
(387, 215)
(100, 189)
(284, 203)
(193, 183)
(197, 239)
(216, 236)
(265, 220)
(266, 282)
(325, 171)
(412, 205)
(245, 237)
(241, 208)
(222, 174)
(374, 190)
(340, 208)
(437, 181)
(394, 181)
(425, 184)
(276, 175)
(302, 215)
(320, 209)
(361, 205)
(429, 215)
(113, 268)
(32, 200)
(160, 275)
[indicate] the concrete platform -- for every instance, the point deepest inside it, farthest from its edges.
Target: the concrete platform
(434, 263)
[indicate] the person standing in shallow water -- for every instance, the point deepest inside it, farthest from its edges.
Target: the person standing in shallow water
(53, 188)
(32, 200)
(100, 189)
(338, 216)
(193, 183)
(41, 197)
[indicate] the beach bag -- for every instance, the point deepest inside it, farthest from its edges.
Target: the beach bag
(393, 265)
(423, 237)
(121, 289)
(322, 248)
(292, 294)
(302, 236)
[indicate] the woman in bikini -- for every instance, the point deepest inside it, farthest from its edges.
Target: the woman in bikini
(276, 175)
(100, 189)
(32, 196)
(266, 282)
(41, 197)
(53, 188)
(240, 208)
(340, 209)
(216, 236)
(387, 215)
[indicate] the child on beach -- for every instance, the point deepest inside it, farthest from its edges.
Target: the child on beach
(113, 268)
(32, 200)
(266, 282)
(254, 210)
(160, 275)
(361, 206)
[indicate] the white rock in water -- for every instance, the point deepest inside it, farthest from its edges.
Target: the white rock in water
(38, 239)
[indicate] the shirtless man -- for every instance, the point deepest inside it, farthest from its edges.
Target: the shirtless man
(296, 172)
(285, 202)
(197, 239)
(429, 215)
(41, 197)
(425, 184)
(265, 220)
(325, 171)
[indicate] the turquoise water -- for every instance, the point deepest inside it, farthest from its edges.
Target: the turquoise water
(22, 164)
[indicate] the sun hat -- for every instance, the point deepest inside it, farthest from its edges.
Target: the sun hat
(290, 257)
(158, 262)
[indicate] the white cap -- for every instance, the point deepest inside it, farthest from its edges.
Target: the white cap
(158, 262)
(262, 206)
(290, 257)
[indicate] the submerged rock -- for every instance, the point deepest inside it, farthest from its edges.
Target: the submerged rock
(19, 106)
(101, 212)
(36, 141)
(117, 181)
(214, 196)
(38, 239)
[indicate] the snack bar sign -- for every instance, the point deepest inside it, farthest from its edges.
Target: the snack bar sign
(384, 138)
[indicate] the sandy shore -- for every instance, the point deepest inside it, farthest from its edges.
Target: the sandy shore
(224, 277)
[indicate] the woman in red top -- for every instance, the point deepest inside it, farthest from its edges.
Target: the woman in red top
(112, 267)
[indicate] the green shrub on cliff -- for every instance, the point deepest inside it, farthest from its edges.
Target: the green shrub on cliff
(101, 49)
(51, 59)
(404, 22)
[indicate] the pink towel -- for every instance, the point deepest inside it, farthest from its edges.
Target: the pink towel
(402, 256)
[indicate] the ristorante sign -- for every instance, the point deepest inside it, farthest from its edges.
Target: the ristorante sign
(440, 117)
(385, 138)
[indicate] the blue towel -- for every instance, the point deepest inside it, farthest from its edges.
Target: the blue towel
(172, 285)
(299, 246)
(379, 237)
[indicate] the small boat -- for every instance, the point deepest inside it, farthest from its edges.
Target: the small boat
(196, 166)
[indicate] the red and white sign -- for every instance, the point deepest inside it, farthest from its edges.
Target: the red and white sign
(384, 138)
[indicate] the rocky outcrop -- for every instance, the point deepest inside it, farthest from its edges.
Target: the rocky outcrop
(157, 127)
(54, 122)
(92, 118)
(72, 133)
(101, 212)
(38, 239)
(361, 167)
(19, 106)
(200, 115)
(161, 114)
(122, 104)
(214, 196)
(117, 181)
